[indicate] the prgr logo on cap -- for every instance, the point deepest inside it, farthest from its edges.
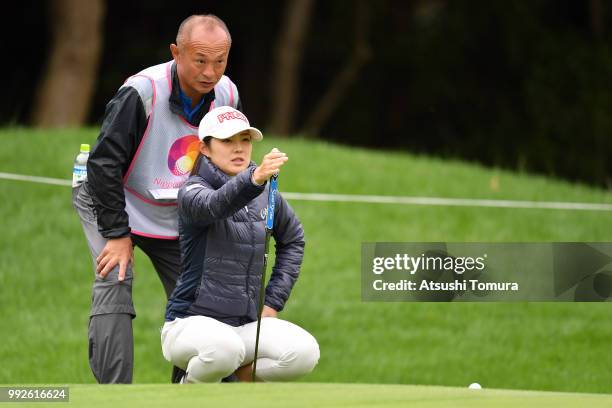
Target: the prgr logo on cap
(224, 122)
(232, 115)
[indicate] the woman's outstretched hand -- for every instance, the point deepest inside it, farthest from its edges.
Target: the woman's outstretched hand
(270, 165)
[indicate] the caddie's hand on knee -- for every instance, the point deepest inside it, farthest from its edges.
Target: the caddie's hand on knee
(117, 251)
(270, 165)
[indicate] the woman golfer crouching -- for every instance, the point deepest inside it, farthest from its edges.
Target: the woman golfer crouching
(211, 316)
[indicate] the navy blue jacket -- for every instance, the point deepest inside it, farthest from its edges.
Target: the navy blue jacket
(222, 238)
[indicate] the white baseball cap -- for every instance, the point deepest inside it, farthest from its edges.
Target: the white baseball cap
(224, 122)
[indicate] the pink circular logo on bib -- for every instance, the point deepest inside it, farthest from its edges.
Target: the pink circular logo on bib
(183, 154)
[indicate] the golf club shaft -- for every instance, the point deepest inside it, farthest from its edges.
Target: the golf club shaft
(261, 301)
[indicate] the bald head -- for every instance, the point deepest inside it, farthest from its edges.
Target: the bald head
(206, 22)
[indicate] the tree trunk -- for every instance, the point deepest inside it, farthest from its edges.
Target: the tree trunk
(596, 17)
(343, 80)
(67, 85)
(289, 52)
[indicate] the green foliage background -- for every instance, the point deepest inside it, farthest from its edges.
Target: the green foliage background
(519, 84)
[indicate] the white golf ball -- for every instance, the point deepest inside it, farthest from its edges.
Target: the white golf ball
(474, 386)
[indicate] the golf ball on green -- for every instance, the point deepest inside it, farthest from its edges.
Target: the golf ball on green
(474, 386)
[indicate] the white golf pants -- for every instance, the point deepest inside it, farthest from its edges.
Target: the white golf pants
(210, 350)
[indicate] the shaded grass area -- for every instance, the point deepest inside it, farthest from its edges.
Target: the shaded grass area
(45, 274)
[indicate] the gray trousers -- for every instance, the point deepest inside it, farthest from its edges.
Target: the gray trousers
(111, 342)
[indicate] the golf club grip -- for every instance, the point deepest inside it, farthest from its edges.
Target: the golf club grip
(272, 202)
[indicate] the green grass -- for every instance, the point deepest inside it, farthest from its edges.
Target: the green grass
(45, 276)
(320, 395)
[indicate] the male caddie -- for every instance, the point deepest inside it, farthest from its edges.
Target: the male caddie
(145, 151)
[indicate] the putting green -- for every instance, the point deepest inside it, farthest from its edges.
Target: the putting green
(319, 395)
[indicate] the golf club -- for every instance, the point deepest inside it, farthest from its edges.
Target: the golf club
(269, 226)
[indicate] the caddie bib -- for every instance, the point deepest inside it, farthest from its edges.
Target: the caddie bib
(165, 155)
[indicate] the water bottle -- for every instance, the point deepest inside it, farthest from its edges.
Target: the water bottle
(79, 171)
